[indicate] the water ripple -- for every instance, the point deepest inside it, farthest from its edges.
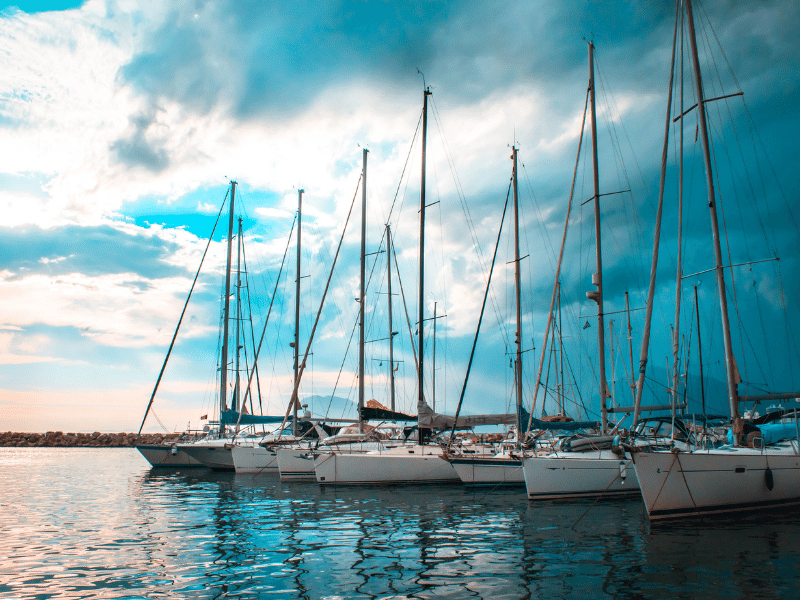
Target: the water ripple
(97, 523)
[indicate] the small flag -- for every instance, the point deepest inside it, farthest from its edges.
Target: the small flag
(203, 417)
(587, 325)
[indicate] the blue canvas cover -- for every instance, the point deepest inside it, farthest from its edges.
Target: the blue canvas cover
(773, 432)
(231, 417)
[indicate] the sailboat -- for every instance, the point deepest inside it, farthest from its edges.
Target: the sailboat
(214, 450)
(587, 467)
(504, 467)
(210, 450)
(297, 462)
(738, 476)
(400, 463)
(260, 457)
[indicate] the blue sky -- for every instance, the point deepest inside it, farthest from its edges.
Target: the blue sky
(123, 122)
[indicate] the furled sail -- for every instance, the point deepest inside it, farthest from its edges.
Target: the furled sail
(432, 420)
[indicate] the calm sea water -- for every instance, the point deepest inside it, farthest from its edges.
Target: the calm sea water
(98, 523)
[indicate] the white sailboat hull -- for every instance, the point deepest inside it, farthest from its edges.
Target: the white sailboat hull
(214, 455)
(167, 456)
(716, 481)
(398, 466)
(254, 459)
(295, 464)
(580, 474)
(489, 470)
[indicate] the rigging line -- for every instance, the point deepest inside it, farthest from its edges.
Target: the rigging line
(501, 322)
(645, 347)
(769, 161)
(252, 333)
(219, 344)
(459, 189)
(341, 369)
(617, 148)
(719, 44)
(449, 156)
(545, 239)
(687, 345)
(366, 287)
(746, 337)
(294, 400)
(786, 322)
(639, 228)
(477, 332)
(547, 243)
(547, 378)
(745, 238)
(575, 386)
(605, 88)
(728, 250)
(741, 154)
(560, 258)
(266, 321)
(763, 329)
(747, 174)
(180, 320)
(275, 381)
(408, 157)
(405, 310)
(164, 427)
(444, 272)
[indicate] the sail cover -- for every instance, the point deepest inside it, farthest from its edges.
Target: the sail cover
(231, 417)
(429, 419)
(563, 425)
(432, 420)
(369, 413)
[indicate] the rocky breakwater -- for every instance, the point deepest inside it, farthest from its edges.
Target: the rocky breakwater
(58, 439)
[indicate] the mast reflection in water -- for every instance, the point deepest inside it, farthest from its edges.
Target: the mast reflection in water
(98, 523)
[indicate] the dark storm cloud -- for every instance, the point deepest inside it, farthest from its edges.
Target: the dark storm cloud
(93, 251)
(260, 57)
(256, 56)
(137, 151)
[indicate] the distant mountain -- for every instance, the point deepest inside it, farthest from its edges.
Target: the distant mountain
(331, 407)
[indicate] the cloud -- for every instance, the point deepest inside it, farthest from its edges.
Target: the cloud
(273, 213)
(18, 350)
(139, 148)
(121, 121)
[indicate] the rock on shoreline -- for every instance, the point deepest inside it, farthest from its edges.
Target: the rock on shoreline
(58, 439)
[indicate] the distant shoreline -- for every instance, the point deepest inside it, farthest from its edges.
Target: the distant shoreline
(58, 439)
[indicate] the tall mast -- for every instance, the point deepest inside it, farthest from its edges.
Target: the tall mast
(391, 331)
(518, 340)
(238, 312)
(223, 379)
(362, 292)
(657, 233)
(679, 259)
(730, 365)
(421, 363)
(597, 278)
(297, 308)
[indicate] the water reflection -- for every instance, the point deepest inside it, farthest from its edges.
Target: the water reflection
(98, 523)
